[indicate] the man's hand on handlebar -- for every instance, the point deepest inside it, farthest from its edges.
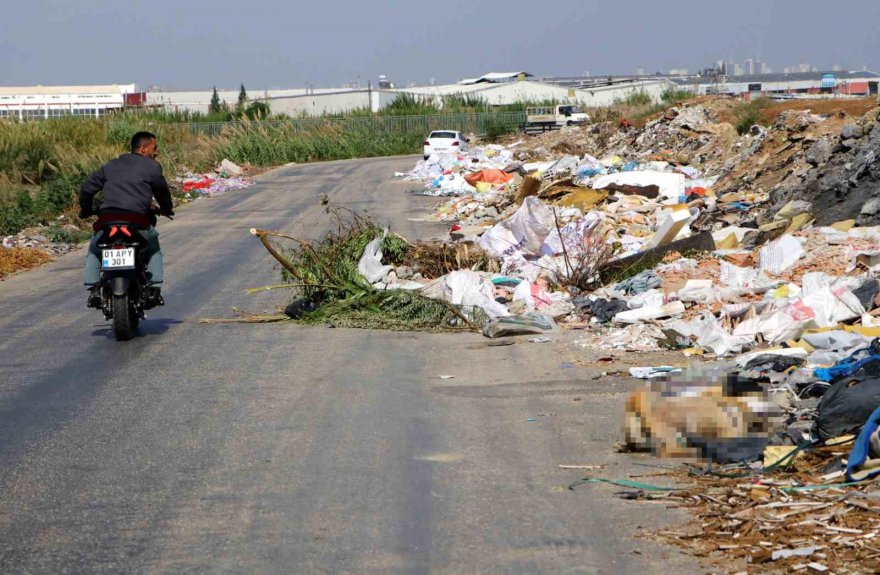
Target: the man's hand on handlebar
(157, 211)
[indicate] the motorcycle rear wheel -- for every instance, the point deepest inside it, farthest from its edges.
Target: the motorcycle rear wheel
(125, 318)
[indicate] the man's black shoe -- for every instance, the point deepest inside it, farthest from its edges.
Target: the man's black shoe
(154, 297)
(94, 299)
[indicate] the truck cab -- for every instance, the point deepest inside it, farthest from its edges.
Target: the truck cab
(554, 117)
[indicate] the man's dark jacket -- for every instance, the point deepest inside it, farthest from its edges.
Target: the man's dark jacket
(129, 182)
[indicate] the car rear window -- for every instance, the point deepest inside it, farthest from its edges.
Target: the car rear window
(442, 135)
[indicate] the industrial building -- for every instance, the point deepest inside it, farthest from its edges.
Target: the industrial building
(806, 84)
(498, 89)
(495, 89)
(41, 102)
(311, 101)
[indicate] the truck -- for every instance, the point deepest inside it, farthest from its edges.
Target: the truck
(542, 118)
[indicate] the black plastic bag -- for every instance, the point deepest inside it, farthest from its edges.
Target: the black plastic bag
(298, 308)
(867, 292)
(846, 406)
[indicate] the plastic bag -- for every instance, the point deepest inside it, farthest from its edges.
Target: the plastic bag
(710, 335)
(524, 231)
(469, 288)
(527, 323)
(846, 406)
(370, 265)
(698, 291)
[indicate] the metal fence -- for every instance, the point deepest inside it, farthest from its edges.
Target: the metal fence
(477, 123)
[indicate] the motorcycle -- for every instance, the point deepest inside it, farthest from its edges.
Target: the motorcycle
(124, 288)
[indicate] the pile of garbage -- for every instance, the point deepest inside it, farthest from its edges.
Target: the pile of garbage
(54, 240)
(756, 256)
(741, 270)
(228, 176)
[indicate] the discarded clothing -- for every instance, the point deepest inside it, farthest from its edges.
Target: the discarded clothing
(604, 310)
(777, 363)
(851, 364)
(640, 283)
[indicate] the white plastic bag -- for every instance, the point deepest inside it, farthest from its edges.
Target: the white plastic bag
(523, 292)
(370, 265)
(470, 289)
(698, 291)
(524, 231)
(710, 335)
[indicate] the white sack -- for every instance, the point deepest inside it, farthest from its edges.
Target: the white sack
(671, 185)
(780, 255)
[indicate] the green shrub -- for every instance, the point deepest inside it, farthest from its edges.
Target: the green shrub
(494, 129)
(637, 98)
(748, 114)
(65, 236)
(673, 96)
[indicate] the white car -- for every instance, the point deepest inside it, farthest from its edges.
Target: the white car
(444, 142)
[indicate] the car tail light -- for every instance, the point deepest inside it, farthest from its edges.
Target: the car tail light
(455, 143)
(427, 143)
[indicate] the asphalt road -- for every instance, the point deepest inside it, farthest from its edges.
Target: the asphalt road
(282, 449)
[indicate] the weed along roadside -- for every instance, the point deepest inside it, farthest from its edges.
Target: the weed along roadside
(726, 253)
(43, 163)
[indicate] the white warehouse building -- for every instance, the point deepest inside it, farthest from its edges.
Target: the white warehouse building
(42, 102)
(499, 94)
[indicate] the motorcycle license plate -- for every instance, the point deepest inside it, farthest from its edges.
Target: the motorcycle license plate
(118, 259)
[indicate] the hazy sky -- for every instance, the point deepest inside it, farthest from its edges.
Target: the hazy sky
(284, 43)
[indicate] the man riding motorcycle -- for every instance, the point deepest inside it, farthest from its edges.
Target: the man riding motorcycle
(129, 183)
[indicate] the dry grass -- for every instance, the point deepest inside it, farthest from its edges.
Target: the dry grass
(725, 108)
(435, 259)
(18, 259)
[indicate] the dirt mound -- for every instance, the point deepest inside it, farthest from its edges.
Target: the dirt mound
(822, 151)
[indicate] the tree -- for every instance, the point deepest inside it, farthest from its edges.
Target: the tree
(257, 110)
(242, 98)
(215, 106)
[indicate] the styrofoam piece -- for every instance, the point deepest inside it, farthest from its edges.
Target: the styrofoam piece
(669, 228)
